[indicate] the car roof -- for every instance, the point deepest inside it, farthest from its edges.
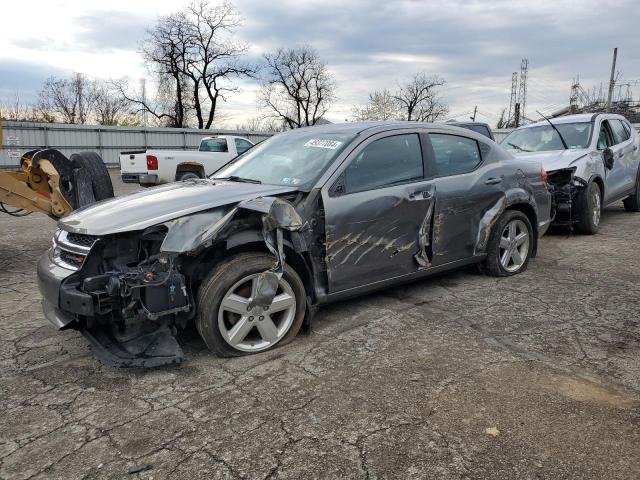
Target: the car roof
(577, 118)
(359, 127)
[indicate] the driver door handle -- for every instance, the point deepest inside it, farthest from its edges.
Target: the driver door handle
(421, 195)
(493, 181)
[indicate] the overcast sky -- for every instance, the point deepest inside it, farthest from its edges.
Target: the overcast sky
(367, 45)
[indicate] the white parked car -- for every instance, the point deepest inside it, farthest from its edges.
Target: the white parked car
(154, 167)
(592, 161)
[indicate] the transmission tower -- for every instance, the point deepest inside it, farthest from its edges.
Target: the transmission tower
(522, 94)
(513, 100)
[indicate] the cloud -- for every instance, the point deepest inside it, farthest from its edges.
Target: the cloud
(474, 44)
(110, 30)
(24, 77)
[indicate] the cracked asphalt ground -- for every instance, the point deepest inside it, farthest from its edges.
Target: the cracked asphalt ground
(459, 377)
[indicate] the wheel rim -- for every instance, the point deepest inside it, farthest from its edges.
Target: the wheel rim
(257, 329)
(595, 201)
(514, 245)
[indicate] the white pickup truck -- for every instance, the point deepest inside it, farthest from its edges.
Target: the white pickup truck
(154, 167)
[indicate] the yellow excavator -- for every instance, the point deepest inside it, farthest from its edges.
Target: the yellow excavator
(48, 182)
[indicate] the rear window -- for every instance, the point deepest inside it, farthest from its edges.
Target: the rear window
(481, 129)
(453, 154)
(214, 145)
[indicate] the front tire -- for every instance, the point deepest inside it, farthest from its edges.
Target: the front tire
(632, 203)
(589, 209)
(227, 326)
(510, 245)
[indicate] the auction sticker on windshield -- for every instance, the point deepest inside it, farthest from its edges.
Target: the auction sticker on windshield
(317, 143)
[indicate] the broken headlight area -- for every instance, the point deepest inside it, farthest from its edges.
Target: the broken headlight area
(139, 298)
(564, 187)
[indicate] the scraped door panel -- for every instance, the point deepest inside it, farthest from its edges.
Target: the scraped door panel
(374, 235)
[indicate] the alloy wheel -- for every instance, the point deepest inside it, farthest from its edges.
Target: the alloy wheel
(255, 329)
(595, 201)
(514, 245)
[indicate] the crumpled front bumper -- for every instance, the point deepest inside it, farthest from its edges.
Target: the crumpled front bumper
(51, 278)
(145, 344)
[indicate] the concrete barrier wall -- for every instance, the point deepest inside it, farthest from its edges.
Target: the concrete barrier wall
(108, 142)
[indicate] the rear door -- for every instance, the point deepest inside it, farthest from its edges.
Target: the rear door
(375, 205)
(467, 184)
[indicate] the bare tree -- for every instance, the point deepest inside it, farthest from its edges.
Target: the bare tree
(382, 105)
(67, 99)
(298, 88)
(110, 108)
(212, 57)
(260, 124)
(419, 98)
(195, 59)
(13, 108)
(502, 121)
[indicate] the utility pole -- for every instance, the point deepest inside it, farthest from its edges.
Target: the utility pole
(612, 80)
(522, 94)
(143, 82)
(512, 101)
(475, 110)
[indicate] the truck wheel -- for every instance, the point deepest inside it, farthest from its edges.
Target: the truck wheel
(632, 203)
(510, 245)
(95, 167)
(187, 176)
(589, 208)
(227, 326)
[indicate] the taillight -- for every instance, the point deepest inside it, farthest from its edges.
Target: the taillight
(152, 162)
(544, 176)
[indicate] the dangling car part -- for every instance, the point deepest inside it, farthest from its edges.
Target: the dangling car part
(303, 219)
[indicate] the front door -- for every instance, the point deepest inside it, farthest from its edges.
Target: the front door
(374, 209)
(616, 178)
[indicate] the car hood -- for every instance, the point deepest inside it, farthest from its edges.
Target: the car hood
(554, 159)
(160, 204)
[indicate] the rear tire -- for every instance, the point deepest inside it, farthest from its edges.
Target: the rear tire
(632, 203)
(216, 321)
(187, 176)
(589, 209)
(97, 170)
(510, 245)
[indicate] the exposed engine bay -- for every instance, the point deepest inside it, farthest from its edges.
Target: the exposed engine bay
(565, 188)
(133, 291)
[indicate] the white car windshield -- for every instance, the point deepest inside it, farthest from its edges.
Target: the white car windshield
(292, 158)
(544, 137)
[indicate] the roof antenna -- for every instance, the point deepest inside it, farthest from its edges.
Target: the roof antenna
(564, 144)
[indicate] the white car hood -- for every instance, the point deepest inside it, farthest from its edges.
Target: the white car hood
(554, 159)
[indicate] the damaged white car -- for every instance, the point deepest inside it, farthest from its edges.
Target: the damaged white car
(592, 161)
(305, 218)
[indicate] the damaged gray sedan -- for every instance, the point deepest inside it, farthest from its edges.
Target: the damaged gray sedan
(307, 217)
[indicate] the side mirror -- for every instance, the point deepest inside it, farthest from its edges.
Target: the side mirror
(607, 155)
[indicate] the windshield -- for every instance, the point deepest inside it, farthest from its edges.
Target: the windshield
(291, 158)
(545, 138)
